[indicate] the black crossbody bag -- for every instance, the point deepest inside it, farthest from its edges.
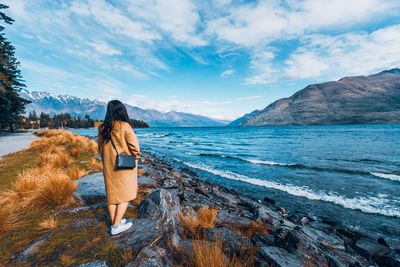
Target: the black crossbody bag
(124, 161)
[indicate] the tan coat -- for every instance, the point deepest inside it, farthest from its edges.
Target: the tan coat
(121, 185)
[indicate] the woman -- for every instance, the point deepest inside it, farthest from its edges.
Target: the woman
(121, 185)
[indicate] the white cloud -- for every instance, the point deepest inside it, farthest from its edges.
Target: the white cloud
(178, 19)
(263, 68)
(347, 54)
(104, 48)
(253, 24)
(251, 97)
(226, 73)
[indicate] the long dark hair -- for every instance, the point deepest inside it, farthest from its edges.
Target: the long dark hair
(116, 111)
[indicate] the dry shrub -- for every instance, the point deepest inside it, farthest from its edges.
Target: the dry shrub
(60, 160)
(56, 189)
(209, 254)
(75, 151)
(196, 225)
(94, 165)
(10, 219)
(92, 146)
(67, 260)
(48, 224)
(75, 172)
(127, 255)
(27, 182)
(141, 172)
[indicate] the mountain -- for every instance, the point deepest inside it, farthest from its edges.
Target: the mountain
(52, 104)
(352, 100)
(243, 118)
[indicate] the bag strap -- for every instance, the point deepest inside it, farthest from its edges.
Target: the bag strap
(113, 145)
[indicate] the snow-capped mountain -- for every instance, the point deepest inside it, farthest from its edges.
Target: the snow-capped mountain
(54, 104)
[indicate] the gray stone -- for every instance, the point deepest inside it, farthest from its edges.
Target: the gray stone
(94, 264)
(91, 185)
(369, 248)
(225, 218)
(152, 257)
(235, 243)
(34, 247)
(274, 256)
(145, 180)
(170, 183)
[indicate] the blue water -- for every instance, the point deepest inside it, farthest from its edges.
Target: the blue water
(347, 173)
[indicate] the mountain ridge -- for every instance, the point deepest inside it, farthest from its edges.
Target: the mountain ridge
(373, 99)
(43, 101)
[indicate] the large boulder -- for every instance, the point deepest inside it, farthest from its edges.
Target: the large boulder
(152, 257)
(234, 243)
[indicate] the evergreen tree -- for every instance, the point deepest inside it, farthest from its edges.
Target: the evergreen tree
(11, 104)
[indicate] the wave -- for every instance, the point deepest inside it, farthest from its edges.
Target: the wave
(270, 163)
(367, 205)
(389, 176)
(392, 177)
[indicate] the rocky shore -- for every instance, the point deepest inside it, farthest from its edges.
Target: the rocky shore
(156, 237)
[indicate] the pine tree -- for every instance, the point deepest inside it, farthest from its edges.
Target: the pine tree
(11, 83)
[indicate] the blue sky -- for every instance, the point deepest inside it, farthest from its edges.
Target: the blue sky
(217, 58)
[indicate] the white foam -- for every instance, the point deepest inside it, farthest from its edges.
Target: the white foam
(192, 154)
(365, 204)
(271, 163)
(189, 143)
(389, 176)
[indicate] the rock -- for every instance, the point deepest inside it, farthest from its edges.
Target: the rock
(304, 220)
(327, 240)
(235, 243)
(234, 221)
(185, 247)
(262, 240)
(170, 183)
(391, 259)
(143, 233)
(90, 186)
(168, 205)
(269, 200)
(262, 214)
(274, 256)
(393, 244)
(145, 180)
(34, 247)
(94, 264)
(152, 257)
(286, 239)
(369, 248)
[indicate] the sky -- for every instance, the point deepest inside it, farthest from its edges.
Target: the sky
(217, 58)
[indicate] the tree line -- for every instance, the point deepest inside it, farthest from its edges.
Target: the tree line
(63, 120)
(11, 82)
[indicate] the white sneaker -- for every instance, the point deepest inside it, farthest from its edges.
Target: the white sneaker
(129, 220)
(120, 228)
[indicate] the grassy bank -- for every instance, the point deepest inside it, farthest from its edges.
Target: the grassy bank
(36, 183)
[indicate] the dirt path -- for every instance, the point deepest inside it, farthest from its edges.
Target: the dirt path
(14, 142)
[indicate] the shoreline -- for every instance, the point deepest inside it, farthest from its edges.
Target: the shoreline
(321, 234)
(178, 217)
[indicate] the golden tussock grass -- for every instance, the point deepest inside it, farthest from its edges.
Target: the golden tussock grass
(10, 219)
(48, 224)
(75, 172)
(67, 260)
(196, 225)
(210, 254)
(142, 172)
(94, 165)
(75, 151)
(56, 189)
(92, 146)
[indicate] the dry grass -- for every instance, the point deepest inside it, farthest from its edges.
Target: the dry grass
(142, 172)
(210, 254)
(67, 260)
(57, 189)
(195, 226)
(127, 255)
(92, 146)
(94, 165)
(10, 219)
(74, 152)
(48, 224)
(75, 172)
